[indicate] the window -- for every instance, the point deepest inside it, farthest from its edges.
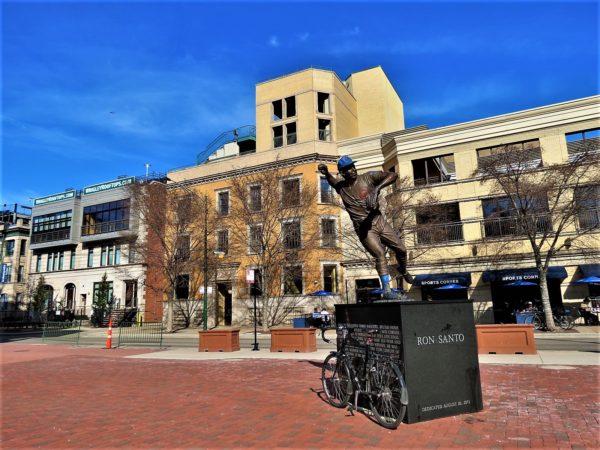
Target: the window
(110, 291)
(291, 235)
(182, 286)
(183, 247)
(23, 248)
(10, 248)
(223, 241)
(110, 255)
(18, 300)
(522, 154)
(433, 170)
(255, 198)
(72, 260)
(61, 260)
(328, 232)
(323, 103)
(21, 274)
(90, 258)
(277, 110)
(6, 275)
(326, 191)
(330, 278)
(439, 223)
(106, 217)
(184, 210)
(277, 136)
(130, 293)
(49, 262)
(290, 133)
(324, 126)
(256, 237)
(38, 263)
(292, 280)
(290, 106)
(588, 206)
(223, 203)
(51, 227)
(501, 218)
(290, 190)
(103, 255)
(583, 141)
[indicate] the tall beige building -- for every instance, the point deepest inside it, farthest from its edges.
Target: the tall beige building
(15, 224)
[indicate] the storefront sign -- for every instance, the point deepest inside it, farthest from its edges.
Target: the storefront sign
(440, 282)
(530, 276)
(54, 198)
(101, 187)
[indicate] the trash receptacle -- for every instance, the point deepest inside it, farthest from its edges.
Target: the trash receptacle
(524, 318)
(300, 322)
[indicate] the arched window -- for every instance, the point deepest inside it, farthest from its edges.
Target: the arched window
(49, 297)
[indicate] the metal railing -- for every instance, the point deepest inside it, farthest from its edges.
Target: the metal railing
(514, 226)
(140, 333)
(105, 227)
(238, 134)
(433, 180)
(433, 234)
(589, 218)
(49, 236)
(62, 332)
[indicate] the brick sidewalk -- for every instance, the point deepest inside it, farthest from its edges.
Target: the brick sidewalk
(63, 397)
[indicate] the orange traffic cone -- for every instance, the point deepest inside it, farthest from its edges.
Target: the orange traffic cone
(109, 334)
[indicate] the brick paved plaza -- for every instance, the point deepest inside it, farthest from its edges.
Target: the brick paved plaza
(64, 397)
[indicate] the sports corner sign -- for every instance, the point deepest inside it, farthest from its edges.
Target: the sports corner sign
(107, 186)
(54, 198)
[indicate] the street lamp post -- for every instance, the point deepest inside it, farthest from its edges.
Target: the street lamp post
(205, 301)
(251, 280)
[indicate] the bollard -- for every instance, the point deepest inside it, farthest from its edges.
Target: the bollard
(109, 334)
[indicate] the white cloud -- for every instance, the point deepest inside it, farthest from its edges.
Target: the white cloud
(303, 37)
(274, 41)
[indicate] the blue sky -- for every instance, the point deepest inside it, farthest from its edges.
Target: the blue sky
(94, 90)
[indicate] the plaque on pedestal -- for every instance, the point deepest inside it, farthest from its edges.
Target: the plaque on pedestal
(437, 346)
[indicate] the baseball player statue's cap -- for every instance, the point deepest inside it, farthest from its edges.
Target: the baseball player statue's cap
(344, 162)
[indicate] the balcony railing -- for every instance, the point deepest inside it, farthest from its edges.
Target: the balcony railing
(105, 227)
(527, 159)
(433, 180)
(513, 226)
(589, 218)
(435, 234)
(50, 236)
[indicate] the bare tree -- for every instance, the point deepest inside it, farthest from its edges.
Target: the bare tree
(275, 223)
(177, 221)
(553, 207)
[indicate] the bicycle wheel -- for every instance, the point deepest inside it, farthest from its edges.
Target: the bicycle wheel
(563, 322)
(336, 381)
(389, 395)
(538, 322)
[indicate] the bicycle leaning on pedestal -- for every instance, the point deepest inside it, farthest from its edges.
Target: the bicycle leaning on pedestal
(372, 375)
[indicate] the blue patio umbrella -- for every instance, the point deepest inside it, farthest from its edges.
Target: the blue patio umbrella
(522, 283)
(380, 291)
(591, 279)
(451, 286)
(321, 293)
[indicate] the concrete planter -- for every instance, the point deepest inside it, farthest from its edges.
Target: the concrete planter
(505, 339)
(299, 340)
(221, 340)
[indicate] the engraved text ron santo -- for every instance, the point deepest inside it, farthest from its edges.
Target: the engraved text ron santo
(440, 339)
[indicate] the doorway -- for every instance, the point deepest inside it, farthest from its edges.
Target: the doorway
(224, 302)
